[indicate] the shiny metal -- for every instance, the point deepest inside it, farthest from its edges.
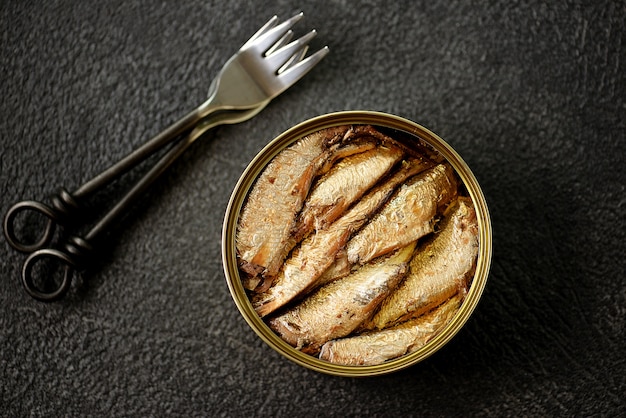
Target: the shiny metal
(265, 66)
(413, 132)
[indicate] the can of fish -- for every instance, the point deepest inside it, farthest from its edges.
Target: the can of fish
(357, 243)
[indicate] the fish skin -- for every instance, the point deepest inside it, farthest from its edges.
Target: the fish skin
(346, 182)
(264, 233)
(318, 251)
(339, 268)
(438, 269)
(376, 347)
(336, 309)
(408, 216)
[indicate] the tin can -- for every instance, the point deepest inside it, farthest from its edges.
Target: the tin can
(385, 121)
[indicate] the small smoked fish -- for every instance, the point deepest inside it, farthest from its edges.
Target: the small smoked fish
(317, 252)
(347, 181)
(264, 233)
(338, 308)
(439, 268)
(408, 216)
(376, 347)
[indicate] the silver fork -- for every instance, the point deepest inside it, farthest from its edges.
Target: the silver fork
(265, 66)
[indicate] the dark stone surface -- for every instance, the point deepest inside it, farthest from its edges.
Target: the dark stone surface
(531, 94)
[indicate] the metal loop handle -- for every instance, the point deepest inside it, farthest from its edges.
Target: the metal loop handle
(63, 210)
(29, 205)
(27, 278)
(77, 251)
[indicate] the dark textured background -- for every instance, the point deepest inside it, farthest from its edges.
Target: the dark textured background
(531, 94)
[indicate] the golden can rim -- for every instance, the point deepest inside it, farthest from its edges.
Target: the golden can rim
(253, 170)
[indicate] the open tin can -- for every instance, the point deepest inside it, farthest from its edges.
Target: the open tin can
(412, 134)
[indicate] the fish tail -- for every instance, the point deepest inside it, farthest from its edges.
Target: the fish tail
(265, 308)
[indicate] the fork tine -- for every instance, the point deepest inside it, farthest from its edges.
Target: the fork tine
(269, 25)
(269, 38)
(281, 42)
(279, 58)
(297, 71)
(294, 59)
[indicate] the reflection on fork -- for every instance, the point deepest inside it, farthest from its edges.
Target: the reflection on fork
(265, 66)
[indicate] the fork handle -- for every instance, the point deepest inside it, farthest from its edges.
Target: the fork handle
(144, 182)
(77, 251)
(66, 206)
